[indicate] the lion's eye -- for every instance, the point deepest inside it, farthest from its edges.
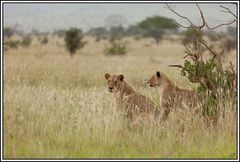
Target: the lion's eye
(115, 82)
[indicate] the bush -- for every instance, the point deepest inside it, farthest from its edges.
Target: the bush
(116, 48)
(12, 44)
(214, 81)
(26, 41)
(73, 40)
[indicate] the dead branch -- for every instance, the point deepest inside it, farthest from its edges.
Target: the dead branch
(183, 17)
(228, 23)
(203, 19)
(228, 11)
(215, 54)
(204, 23)
(179, 66)
(208, 48)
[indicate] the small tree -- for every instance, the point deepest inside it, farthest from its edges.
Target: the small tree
(157, 26)
(116, 47)
(73, 40)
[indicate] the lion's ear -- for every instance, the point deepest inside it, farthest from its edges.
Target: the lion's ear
(158, 74)
(120, 77)
(107, 76)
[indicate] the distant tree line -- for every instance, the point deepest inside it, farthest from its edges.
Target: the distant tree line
(155, 27)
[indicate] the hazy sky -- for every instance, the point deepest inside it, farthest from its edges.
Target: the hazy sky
(47, 17)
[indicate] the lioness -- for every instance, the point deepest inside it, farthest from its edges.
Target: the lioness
(135, 104)
(172, 96)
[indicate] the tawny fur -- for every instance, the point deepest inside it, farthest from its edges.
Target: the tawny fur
(172, 96)
(135, 105)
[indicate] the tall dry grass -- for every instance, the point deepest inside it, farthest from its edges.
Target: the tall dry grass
(56, 106)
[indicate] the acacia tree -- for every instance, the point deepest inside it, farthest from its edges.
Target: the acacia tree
(217, 82)
(156, 26)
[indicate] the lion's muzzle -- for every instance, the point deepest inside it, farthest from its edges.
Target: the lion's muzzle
(110, 89)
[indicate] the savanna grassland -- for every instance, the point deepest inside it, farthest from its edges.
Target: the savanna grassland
(58, 106)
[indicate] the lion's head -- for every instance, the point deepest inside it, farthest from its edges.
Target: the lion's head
(156, 80)
(114, 82)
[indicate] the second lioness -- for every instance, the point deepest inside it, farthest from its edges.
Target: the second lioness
(134, 104)
(171, 96)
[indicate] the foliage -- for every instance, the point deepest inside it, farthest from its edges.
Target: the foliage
(73, 40)
(116, 47)
(157, 26)
(12, 43)
(214, 81)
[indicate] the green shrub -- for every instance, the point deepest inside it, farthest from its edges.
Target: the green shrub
(12, 43)
(116, 48)
(215, 82)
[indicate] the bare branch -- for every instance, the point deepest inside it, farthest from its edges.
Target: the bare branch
(189, 53)
(183, 17)
(187, 27)
(179, 66)
(229, 23)
(203, 20)
(204, 23)
(228, 11)
(209, 49)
